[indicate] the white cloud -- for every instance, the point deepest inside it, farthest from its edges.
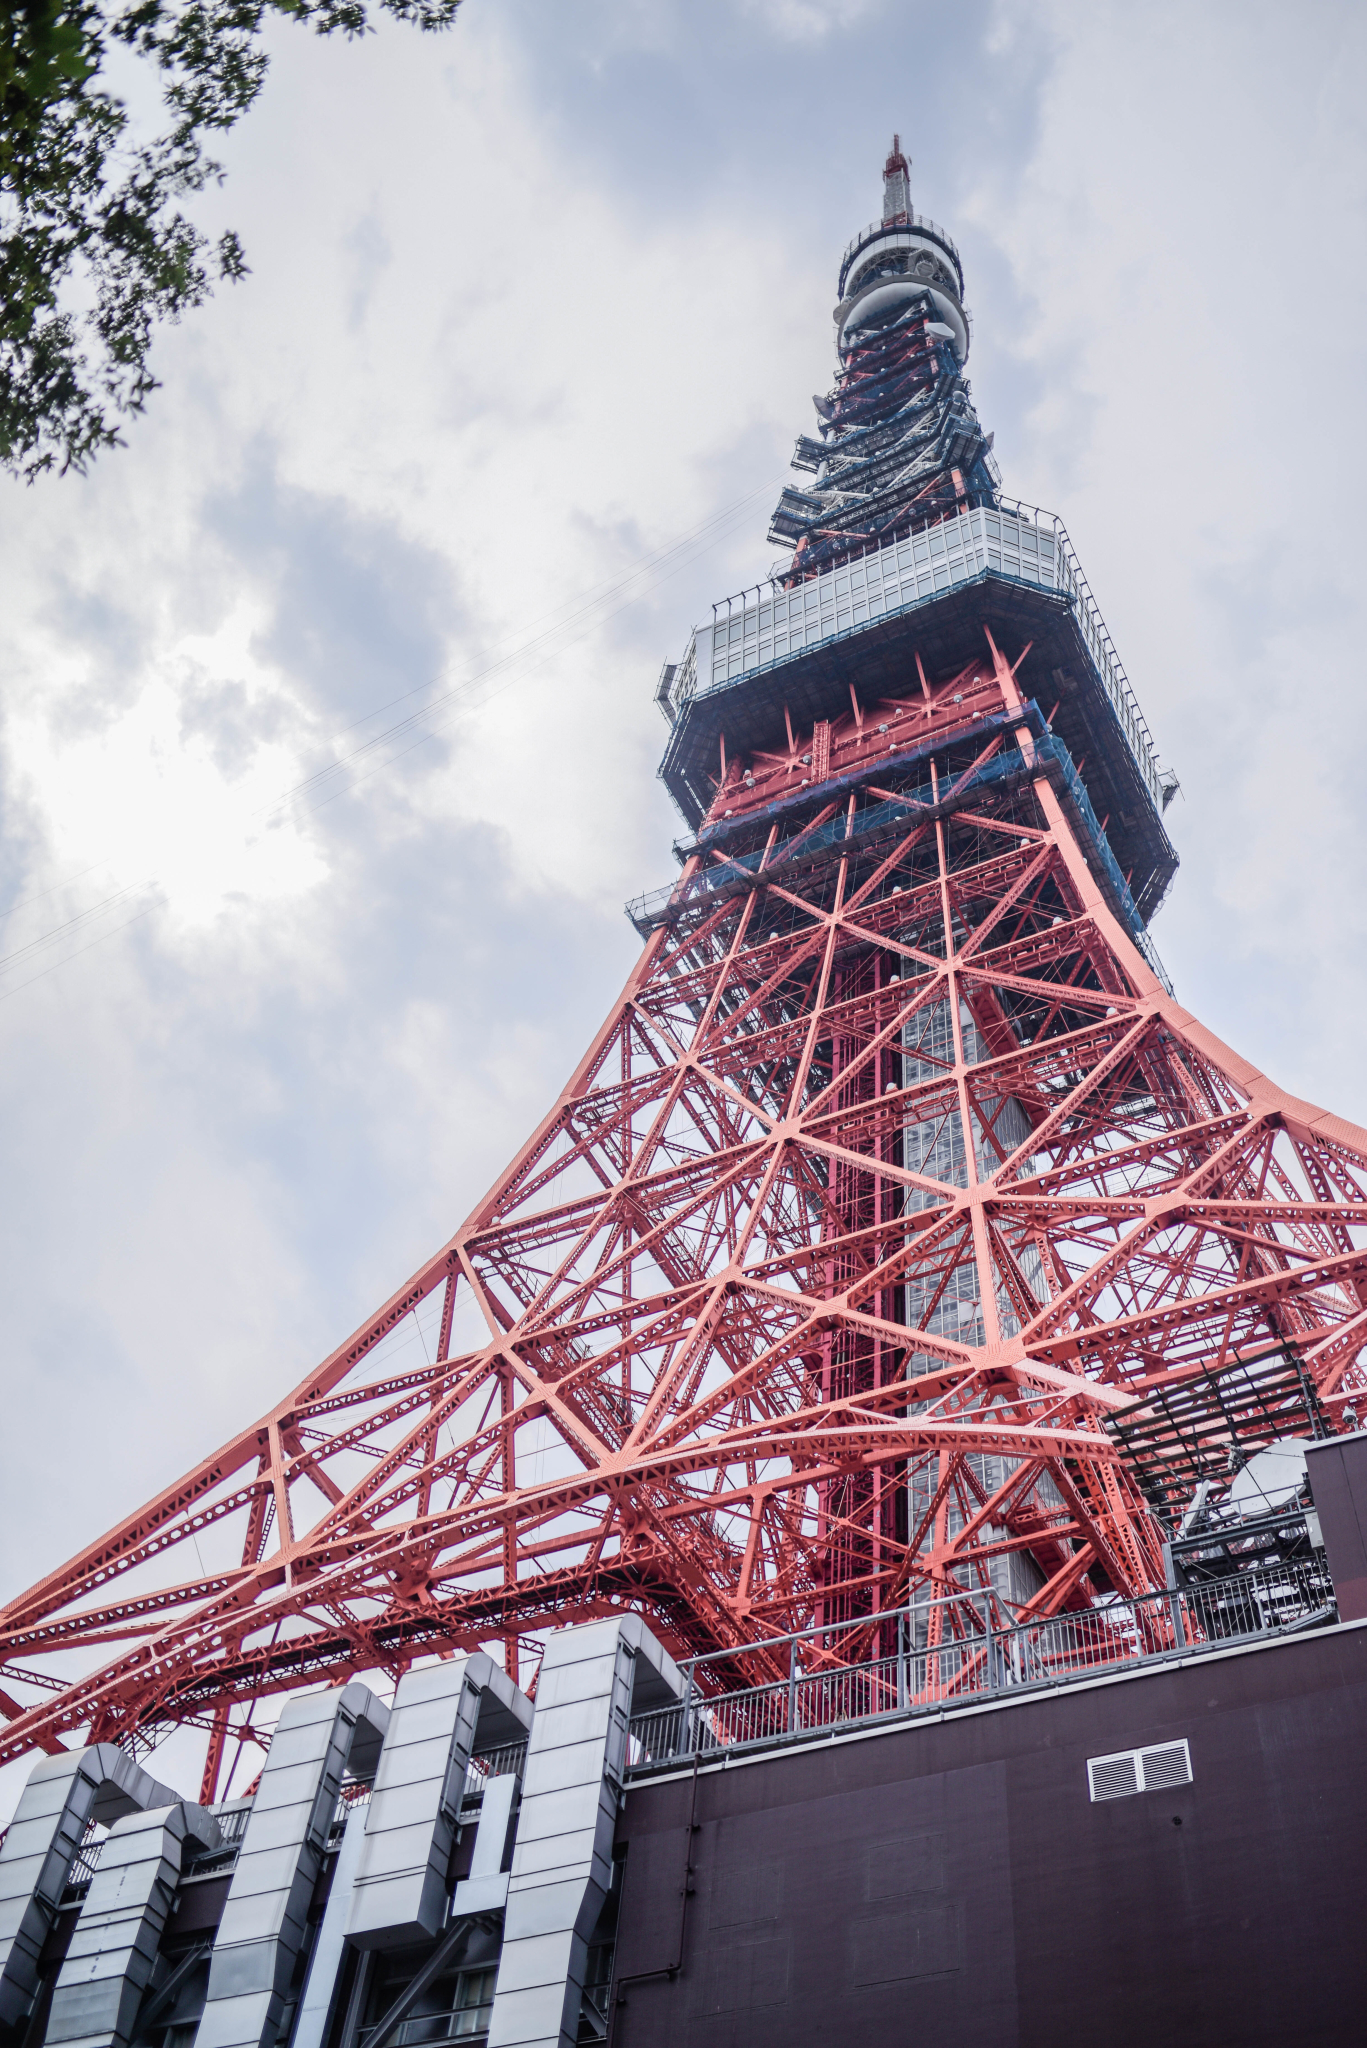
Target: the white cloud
(812, 21)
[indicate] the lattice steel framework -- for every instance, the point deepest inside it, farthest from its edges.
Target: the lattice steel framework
(698, 1391)
(893, 1171)
(900, 442)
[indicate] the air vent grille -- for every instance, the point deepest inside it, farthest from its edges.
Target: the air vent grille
(1139, 1770)
(1113, 1776)
(1170, 1765)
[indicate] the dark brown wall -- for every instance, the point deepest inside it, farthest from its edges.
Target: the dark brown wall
(951, 1882)
(1338, 1482)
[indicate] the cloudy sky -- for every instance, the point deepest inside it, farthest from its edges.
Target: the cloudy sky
(327, 750)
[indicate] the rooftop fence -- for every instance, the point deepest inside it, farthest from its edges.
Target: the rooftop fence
(911, 223)
(940, 1655)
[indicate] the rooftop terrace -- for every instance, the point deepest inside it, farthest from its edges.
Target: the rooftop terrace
(936, 1657)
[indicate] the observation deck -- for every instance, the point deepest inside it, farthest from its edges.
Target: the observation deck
(861, 623)
(909, 223)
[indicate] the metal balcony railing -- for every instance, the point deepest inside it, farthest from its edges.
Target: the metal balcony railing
(87, 1858)
(912, 223)
(757, 629)
(495, 1763)
(426, 2029)
(947, 1653)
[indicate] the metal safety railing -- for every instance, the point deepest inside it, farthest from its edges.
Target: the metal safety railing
(910, 223)
(938, 1655)
(353, 1797)
(741, 871)
(87, 1858)
(465, 2023)
(738, 872)
(769, 624)
(232, 1818)
(232, 1824)
(494, 1763)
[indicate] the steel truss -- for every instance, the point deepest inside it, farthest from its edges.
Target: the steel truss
(791, 1311)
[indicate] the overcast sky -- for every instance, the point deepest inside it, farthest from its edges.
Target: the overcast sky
(530, 303)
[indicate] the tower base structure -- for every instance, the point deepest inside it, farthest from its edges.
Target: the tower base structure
(895, 1198)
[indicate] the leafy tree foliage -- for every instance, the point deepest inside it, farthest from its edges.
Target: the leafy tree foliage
(96, 246)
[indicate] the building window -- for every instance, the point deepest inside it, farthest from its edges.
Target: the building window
(474, 2004)
(466, 2019)
(593, 2006)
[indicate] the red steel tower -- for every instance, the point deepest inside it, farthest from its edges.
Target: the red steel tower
(898, 1233)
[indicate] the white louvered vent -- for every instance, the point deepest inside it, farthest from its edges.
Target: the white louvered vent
(1113, 1776)
(1170, 1765)
(1139, 1770)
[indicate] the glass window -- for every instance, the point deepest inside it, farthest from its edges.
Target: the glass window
(474, 2004)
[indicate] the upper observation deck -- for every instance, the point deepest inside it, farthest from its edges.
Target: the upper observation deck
(914, 225)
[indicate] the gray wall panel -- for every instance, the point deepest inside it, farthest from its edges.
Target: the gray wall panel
(277, 1867)
(114, 1948)
(62, 1795)
(953, 1881)
(326, 1962)
(562, 1866)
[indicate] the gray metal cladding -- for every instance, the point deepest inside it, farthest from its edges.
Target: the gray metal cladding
(325, 1964)
(485, 1888)
(277, 1868)
(399, 1893)
(114, 1948)
(562, 1866)
(441, 1716)
(390, 1883)
(62, 1795)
